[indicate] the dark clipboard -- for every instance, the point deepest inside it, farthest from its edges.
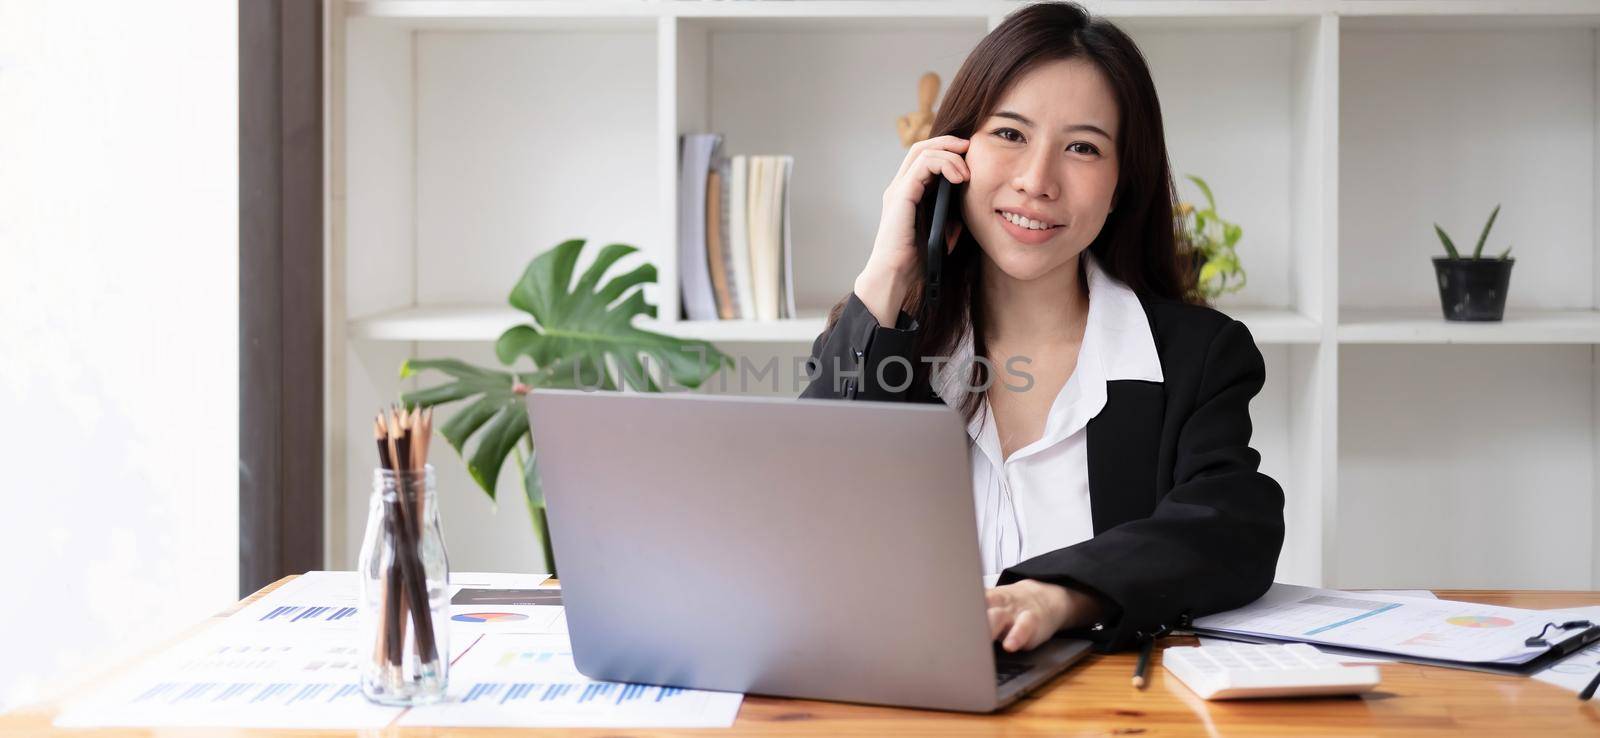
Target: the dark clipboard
(1558, 651)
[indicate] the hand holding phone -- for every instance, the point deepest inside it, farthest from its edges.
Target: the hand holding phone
(895, 264)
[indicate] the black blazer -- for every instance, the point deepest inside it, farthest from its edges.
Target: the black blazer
(1184, 523)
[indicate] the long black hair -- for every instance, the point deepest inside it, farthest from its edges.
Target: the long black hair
(1136, 245)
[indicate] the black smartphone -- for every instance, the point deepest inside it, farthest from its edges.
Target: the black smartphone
(933, 265)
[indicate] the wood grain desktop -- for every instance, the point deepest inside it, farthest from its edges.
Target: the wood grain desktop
(1091, 699)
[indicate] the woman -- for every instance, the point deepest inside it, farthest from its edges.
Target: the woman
(1115, 488)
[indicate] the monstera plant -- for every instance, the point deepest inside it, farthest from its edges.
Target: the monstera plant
(576, 328)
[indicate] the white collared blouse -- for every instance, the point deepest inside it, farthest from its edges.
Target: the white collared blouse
(1037, 500)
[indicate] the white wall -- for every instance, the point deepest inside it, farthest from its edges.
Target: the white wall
(118, 328)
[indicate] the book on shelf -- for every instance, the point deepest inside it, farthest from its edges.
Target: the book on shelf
(694, 275)
(761, 263)
(783, 230)
(734, 250)
(738, 235)
(716, 246)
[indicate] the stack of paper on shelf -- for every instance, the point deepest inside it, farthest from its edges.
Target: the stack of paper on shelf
(735, 253)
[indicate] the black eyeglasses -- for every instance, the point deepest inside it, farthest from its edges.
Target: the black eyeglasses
(1539, 640)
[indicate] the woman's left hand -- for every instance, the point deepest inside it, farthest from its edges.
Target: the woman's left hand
(1028, 612)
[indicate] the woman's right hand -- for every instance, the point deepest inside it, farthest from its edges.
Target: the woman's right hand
(893, 265)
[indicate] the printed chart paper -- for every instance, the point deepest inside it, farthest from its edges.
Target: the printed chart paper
(285, 661)
(1344, 658)
(529, 680)
(289, 660)
(1412, 626)
(1578, 669)
(317, 601)
(1573, 672)
(478, 610)
(272, 679)
(331, 599)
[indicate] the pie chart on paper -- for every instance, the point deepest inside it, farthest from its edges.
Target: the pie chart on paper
(1479, 621)
(489, 617)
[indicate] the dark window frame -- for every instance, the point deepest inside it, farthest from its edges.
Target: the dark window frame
(280, 290)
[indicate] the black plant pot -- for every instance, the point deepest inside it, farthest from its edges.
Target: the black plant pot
(1473, 289)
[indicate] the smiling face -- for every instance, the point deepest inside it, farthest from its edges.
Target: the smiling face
(1048, 153)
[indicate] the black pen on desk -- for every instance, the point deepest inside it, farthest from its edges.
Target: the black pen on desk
(1144, 662)
(1589, 690)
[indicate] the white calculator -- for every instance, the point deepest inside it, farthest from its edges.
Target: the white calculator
(1243, 671)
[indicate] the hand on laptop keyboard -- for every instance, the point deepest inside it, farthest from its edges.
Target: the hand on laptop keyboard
(1024, 614)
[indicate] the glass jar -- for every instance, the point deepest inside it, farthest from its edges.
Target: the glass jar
(404, 572)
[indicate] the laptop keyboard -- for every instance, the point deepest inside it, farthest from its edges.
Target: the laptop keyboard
(1007, 669)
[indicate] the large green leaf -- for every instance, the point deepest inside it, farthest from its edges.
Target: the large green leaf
(577, 327)
(496, 403)
(497, 442)
(590, 326)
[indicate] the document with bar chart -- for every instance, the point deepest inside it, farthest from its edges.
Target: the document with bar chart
(330, 601)
(273, 679)
(316, 601)
(291, 660)
(1426, 628)
(529, 680)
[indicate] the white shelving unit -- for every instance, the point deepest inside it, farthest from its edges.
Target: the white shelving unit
(466, 136)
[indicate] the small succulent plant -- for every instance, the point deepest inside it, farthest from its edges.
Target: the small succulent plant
(1477, 253)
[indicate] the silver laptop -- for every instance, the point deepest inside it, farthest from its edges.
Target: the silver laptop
(803, 548)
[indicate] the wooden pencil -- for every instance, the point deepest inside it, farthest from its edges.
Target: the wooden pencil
(390, 639)
(409, 550)
(385, 614)
(383, 443)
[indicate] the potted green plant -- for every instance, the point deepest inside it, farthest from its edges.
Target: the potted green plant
(1473, 288)
(576, 327)
(1207, 242)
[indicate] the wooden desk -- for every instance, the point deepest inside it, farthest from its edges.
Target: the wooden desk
(1094, 698)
